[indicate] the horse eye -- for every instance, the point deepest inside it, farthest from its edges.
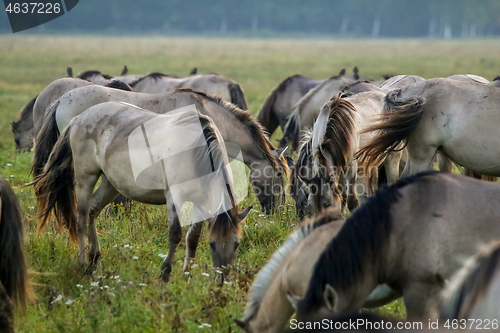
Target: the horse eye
(236, 244)
(212, 245)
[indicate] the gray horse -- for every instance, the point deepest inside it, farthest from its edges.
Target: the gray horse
(266, 163)
(412, 235)
(105, 142)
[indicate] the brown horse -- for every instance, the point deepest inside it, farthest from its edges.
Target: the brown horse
(278, 105)
(412, 235)
(15, 286)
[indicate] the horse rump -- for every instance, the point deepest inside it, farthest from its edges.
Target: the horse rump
(399, 119)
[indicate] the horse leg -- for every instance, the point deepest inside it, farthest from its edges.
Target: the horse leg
(444, 163)
(174, 238)
(391, 166)
(419, 159)
(350, 186)
(420, 298)
(104, 194)
(84, 189)
(192, 239)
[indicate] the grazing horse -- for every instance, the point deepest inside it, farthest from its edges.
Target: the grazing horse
(412, 236)
(98, 144)
(15, 287)
(333, 173)
(278, 105)
(458, 119)
(23, 128)
(358, 87)
(32, 115)
(474, 291)
(267, 165)
(288, 272)
(399, 81)
(211, 84)
(306, 110)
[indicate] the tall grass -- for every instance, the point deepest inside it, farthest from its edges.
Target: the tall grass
(124, 294)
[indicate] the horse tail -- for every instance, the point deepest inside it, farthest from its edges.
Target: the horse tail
(399, 119)
(237, 97)
(55, 187)
(291, 133)
(13, 268)
(45, 140)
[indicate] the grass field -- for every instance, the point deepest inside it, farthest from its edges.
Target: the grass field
(124, 295)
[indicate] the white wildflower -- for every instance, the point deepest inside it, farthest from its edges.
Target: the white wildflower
(57, 299)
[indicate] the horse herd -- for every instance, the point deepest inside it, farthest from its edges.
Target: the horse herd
(409, 238)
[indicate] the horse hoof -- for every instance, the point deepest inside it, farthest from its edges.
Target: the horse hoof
(165, 273)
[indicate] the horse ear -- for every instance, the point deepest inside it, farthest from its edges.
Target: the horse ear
(69, 70)
(193, 71)
(124, 71)
(241, 216)
(241, 324)
(342, 72)
(290, 162)
(330, 297)
(293, 299)
(356, 71)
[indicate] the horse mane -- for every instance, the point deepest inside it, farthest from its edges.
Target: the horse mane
(337, 141)
(363, 237)
(346, 91)
(88, 74)
(291, 131)
(251, 124)
(224, 224)
(266, 111)
(268, 272)
(471, 282)
(155, 76)
(117, 84)
(26, 115)
(303, 159)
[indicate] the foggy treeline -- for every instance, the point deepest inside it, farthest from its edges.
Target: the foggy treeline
(262, 18)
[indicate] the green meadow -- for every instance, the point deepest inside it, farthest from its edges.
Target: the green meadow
(125, 294)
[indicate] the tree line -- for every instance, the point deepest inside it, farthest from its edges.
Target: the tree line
(262, 18)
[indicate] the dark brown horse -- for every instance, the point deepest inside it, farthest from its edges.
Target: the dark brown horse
(15, 287)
